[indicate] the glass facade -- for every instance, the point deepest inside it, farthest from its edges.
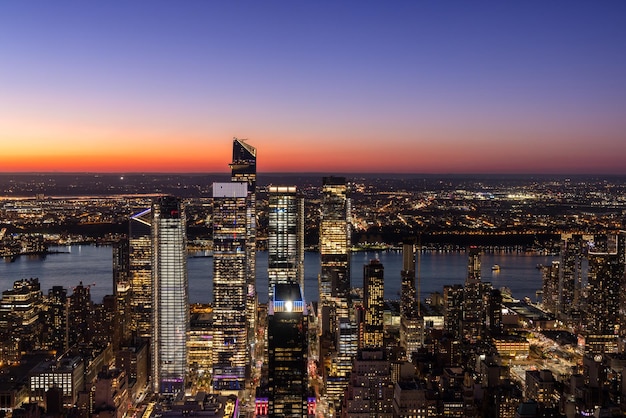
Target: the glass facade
(170, 298)
(243, 169)
(288, 353)
(285, 237)
(473, 306)
(230, 264)
(373, 291)
(335, 238)
(140, 272)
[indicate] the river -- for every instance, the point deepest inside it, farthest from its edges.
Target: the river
(93, 266)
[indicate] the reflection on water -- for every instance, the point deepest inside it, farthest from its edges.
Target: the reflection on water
(93, 266)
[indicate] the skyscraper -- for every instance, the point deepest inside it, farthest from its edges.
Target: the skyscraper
(373, 298)
(56, 316)
(570, 275)
(122, 292)
(230, 267)
(408, 294)
(473, 306)
(140, 272)
(605, 284)
(335, 238)
(550, 287)
(285, 237)
(80, 310)
(243, 169)
(170, 300)
(288, 352)
(338, 326)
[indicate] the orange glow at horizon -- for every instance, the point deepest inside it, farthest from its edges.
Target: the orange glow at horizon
(150, 152)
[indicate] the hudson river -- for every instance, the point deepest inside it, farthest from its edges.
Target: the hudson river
(93, 266)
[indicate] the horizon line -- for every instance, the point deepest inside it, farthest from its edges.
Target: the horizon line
(310, 173)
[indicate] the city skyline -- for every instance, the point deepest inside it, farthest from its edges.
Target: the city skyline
(410, 88)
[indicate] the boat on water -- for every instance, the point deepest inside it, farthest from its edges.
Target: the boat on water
(495, 267)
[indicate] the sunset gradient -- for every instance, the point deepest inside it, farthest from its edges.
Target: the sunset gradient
(355, 86)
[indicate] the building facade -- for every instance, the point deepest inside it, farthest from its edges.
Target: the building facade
(170, 296)
(285, 237)
(288, 353)
(230, 285)
(373, 299)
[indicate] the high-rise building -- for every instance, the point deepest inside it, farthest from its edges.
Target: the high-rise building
(473, 304)
(200, 340)
(170, 296)
(56, 319)
(570, 275)
(338, 324)
(550, 286)
(373, 300)
(408, 294)
(335, 239)
(605, 284)
(453, 309)
(288, 352)
(21, 329)
(371, 389)
(230, 273)
(122, 292)
(140, 273)
(243, 169)
(285, 237)
(80, 311)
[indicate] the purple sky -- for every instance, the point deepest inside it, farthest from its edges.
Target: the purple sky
(416, 86)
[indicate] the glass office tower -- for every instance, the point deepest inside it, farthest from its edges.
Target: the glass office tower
(170, 296)
(140, 273)
(335, 238)
(230, 263)
(243, 169)
(288, 352)
(373, 298)
(285, 237)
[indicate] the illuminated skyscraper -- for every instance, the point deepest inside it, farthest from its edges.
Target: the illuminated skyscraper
(230, 267)
(80, 310)
(140, 273)
(286, 237)
(335, 239)
(373, 298)
(243, 169)
(170, 300)
(605, 295)
(122, 291)
(473, 305)
(339, 328)
(570, 275)
(453, 312)
(408, 295)
(550, 286)
(56, 316)
(288, 352)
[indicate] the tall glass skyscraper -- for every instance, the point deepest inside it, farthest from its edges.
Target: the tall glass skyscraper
(408, 294)
(140, 273)
(230, 267)
(288, 352)
(243, 169)
(373, 298)
(170, 300)
(335, 238)
(473, 305)
(285, 237)
(337, 323)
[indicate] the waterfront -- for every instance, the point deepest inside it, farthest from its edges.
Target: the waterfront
(93, 266)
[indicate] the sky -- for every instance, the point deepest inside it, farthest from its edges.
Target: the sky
(316, 86)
